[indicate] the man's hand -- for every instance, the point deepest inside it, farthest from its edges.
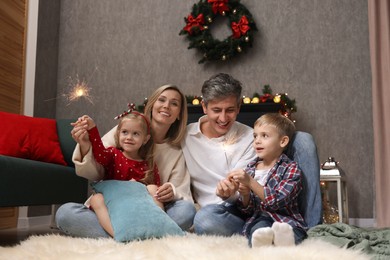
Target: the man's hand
(226, 188)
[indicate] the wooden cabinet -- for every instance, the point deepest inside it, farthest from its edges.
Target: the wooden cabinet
(9, 217)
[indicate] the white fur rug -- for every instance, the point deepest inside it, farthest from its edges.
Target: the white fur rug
(189, 247)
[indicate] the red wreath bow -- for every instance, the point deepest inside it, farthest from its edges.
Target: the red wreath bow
(194, 22)
(219, 6)
(240, 28)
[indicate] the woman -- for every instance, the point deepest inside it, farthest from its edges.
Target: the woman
(167, 112)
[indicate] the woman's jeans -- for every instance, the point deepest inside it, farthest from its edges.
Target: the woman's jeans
(77, 220)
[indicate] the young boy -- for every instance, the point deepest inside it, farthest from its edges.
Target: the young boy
(269, 187)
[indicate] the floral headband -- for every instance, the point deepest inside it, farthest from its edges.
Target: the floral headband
(132, 110)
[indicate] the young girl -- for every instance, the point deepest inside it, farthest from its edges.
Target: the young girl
(130, 160)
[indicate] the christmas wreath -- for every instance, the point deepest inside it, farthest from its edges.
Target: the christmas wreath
(202, 16)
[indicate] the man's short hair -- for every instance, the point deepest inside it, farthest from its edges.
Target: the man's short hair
(220, 86)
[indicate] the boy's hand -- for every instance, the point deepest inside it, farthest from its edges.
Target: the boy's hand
(244, 190)
(240, 176)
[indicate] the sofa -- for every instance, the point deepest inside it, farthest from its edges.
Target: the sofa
(36, 165)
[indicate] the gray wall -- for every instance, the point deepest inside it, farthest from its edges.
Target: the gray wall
(45, 92)
(316, 51)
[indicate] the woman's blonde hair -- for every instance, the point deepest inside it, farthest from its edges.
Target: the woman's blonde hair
(146, 151)
(284, 125)
(177, 130)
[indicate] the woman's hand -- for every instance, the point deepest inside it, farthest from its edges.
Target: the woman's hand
(165, 193)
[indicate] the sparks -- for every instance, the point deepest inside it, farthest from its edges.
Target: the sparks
(78, 89)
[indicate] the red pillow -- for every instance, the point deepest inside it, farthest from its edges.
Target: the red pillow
(30, 138)
(13, 137)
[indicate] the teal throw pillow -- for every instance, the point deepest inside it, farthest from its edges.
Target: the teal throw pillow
(133, 213)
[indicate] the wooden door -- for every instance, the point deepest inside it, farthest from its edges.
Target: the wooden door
(13, 21)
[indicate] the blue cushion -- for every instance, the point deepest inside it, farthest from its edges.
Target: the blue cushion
(133, 213)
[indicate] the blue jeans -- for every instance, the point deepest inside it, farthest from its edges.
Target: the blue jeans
(218, 219)
(224, 219)
(182, 212)
(266, 221)
(303, 150)
(77, 220)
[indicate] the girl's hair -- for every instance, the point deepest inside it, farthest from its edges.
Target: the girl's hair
(177, 130)
(284, 125)
(146, 151)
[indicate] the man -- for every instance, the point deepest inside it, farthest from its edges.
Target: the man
(216, 145)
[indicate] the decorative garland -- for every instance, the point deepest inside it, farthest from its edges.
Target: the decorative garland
(202, 16)
(288, 105)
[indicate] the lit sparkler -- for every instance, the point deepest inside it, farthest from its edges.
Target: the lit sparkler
(78, 89)
(225, 149)
(230, 138)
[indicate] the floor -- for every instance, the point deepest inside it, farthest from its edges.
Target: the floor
(13, 236)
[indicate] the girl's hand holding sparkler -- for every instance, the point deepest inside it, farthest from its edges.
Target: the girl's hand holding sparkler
(80, 134)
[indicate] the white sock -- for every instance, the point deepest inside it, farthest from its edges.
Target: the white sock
(262, 237)
(283, 234)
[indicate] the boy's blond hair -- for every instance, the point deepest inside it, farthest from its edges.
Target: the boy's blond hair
(284, 126)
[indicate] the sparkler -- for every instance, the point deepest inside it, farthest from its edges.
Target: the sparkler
(225, 148)
(230, 139)
(78, 89)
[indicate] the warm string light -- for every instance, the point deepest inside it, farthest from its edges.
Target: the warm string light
(330, 212)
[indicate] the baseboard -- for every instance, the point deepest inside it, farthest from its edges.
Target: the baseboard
(362, 222)
(28, 222)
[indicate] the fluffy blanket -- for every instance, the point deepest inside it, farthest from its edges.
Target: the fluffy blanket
(375, 242)
(190, 246)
